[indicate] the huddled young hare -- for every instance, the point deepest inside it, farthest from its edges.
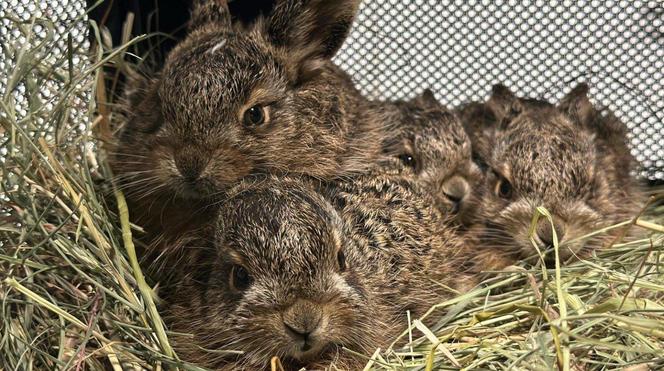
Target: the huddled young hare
(241, 98)
(570, 158)
(298, 275)
(432, 148)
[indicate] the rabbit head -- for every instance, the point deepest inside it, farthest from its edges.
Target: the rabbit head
(239, 98)
(284, 280)
(433, 148)
(541, 154)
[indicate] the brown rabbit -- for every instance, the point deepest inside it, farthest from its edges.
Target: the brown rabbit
(570, 158)
(293, 277)
(433, 149)
(237, 99)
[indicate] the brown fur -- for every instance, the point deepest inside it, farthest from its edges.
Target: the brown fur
(288, 237)
(432, 148)
(185, 142)
(570, 158)
(394, 212)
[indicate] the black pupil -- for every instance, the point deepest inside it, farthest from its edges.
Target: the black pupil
(505, 188)
(240, 278)
(341, 259)
(408, 160)
(254, 116)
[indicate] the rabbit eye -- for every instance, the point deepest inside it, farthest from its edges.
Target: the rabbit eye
(240, 278)
(255, 115)
(504, 189)
(341, 260)
(408, 160)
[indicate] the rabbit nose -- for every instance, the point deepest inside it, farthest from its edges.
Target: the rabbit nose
(545, 232)
(189, 165)
(456, 189)
(301, 320)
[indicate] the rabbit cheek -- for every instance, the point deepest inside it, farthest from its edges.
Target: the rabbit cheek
(165, 169)
(582, 220)
(227, 166)
(509, 228)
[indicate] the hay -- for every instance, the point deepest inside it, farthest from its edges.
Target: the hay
(602, 313)
(72, 295)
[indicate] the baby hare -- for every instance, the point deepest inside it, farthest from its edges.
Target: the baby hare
(570, 158)
(236, 99)
(432, 148)
(293, 277)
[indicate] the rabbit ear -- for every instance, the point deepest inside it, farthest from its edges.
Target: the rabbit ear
(604, 125)
(136, 86)
(427, 99)
(210, 12)
(577, 105)
(504, 104)
(310, 30)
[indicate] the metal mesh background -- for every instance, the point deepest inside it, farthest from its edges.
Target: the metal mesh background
(68, 23)
(537, 48)
(459, 49)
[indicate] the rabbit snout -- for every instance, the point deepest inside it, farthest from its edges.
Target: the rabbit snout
(549, 232)
(201, 172)
(303, 322)
(190, 164)
(455, 191)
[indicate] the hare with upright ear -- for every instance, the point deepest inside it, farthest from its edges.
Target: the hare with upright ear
(570, 158)
(235, 100)
(296, 277)
(431, 147)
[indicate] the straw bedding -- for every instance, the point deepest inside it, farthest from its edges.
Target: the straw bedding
(72, 295)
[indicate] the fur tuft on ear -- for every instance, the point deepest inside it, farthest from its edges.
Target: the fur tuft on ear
(209, 12)
(427, 99)
(504, 104)
(577, 105)
(310, 30)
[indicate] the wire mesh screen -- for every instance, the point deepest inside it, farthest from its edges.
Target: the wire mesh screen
(537, 48)
(66, 30)
(459, 49)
